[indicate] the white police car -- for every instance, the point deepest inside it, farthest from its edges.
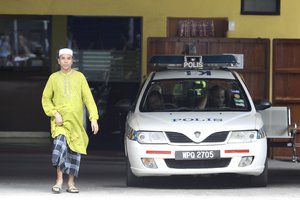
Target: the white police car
(194, 122)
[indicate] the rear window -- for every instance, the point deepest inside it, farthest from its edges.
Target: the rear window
(194, 95)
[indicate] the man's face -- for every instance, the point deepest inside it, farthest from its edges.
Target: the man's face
(65, 61)
(155, 103)
(219, 98)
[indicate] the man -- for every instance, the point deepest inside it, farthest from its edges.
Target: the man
(63, 97)
(155, 101)
(217, 97)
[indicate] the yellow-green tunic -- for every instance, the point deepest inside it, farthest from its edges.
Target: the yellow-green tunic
(67, 93)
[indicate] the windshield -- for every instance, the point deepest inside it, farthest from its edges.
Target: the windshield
(194, 95)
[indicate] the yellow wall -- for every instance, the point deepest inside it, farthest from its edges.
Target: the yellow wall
(155, 12)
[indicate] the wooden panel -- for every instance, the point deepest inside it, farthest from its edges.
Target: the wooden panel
(256, 51)
(286, 87)
(286, 76)
(220, 26)
(175, 45)
(286, 71)
(286, 54)
(256, 61)
(253, 79)
(256, 56)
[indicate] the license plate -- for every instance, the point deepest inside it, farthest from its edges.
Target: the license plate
(197, 155)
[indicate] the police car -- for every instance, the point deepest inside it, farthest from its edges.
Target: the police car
(196, 120)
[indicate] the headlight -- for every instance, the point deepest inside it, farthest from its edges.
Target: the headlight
(242, 136)
(130, 133)
(261, 134)
(144, 137)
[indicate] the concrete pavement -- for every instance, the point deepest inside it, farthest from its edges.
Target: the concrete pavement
(26, 172)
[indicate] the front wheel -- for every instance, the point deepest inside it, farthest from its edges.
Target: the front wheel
(131, 179)
(262, 179)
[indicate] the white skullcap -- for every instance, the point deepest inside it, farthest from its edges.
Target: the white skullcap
(65, 51)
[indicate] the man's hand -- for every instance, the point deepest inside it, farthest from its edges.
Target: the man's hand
(58, 119)
(95, 127)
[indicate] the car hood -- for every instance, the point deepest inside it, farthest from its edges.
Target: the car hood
(188, 123)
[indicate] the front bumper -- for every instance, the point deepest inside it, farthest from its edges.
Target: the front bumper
(164, 157)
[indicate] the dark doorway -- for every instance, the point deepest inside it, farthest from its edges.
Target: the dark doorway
(109, 54)
(107, 51)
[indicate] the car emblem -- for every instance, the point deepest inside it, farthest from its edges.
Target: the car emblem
(197, 134)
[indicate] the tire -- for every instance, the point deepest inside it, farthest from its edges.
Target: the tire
(262, 179)
(131, 179)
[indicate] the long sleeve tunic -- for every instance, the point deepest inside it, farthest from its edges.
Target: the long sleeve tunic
(67, 93)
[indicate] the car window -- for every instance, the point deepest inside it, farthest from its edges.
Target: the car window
(194, 95)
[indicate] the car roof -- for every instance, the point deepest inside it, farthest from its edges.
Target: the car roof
(194, 74)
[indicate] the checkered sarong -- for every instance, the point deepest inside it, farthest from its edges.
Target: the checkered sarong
(63, 157)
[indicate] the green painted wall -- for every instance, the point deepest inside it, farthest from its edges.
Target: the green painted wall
(155, 13)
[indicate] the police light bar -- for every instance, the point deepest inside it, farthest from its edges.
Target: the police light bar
(194, 61)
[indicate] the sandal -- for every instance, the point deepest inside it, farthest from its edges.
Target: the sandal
(73, 189)
(56, 189)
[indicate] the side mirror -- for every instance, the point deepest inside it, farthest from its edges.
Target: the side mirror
(123, 105)
(263, 104)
